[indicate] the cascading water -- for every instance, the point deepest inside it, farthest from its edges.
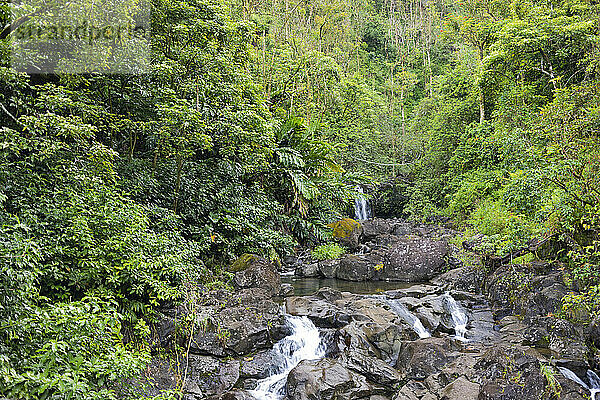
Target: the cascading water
(593, 387)
(594, 383)
(362, 211)
(406, 315)
(304, 343)
(459, 318)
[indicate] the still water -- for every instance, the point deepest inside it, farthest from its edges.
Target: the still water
(307, 286)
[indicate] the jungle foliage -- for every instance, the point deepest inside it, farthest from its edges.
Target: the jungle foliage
(120, 193)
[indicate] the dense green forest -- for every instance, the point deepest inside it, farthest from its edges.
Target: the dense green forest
(120, 193)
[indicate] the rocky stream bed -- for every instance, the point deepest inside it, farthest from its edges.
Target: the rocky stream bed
(404, 318)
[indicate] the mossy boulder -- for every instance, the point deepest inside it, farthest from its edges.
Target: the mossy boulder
(347, 231)
(252, 271)
(243, 262)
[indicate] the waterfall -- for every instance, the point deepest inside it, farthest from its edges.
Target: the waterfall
(304, 343)
(362, 211)
(459, 318)
(594, 383)
(407, 316)
(593, 387)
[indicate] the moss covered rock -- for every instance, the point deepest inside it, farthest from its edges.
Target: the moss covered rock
(243, 262)
(347, 231)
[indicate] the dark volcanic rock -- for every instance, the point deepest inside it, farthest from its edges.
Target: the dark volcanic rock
(327, 379)
(468, 279)
(260, 365)
(234, 395)
(425, 357)
(247, 325)
(356, 268)
(328, 268)
(373, 229)
(510, 374)
(258, 273)
(209, 376)
(414, 259)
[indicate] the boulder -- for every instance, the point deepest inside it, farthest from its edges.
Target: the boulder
(327, 379)
(260, 365)
(593, 332)
(348, 232)
(509, 374)
(242, 328)
(235, 394)
(413, 259)
(372, 368)
(425, 357)
(468, 279)
(256, 272)
(373, 229)
(207, 375)
(356, 268)
(287, 289)
(323, 313)
(328, 268)
(383, 341)
(460, 389)
(307, 270)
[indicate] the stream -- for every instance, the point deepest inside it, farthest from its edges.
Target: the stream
(305, 342)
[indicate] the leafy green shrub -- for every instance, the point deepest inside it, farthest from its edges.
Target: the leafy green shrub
(473, 188)
(505, 231)
(68, 351)
(328, 251)
(524, 192)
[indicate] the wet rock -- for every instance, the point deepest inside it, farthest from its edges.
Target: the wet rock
(257, 273)
(260, 365)
(207, 375)
(242, 328)
(509, 374)
(373, 229)
(307, 270)
(356, 268)
(287, 289)
(414, 259)
(425, 357)
(328, 268)
(327, 379)
(460, 389)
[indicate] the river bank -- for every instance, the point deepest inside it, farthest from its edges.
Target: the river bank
(447, 327)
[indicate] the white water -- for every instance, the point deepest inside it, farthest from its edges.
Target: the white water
(303, 344)
(459, 318)
(407, 316)
(593, 387)
(594, 383)
(361, 206)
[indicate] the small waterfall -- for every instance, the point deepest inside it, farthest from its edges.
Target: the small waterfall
(362, 210)
(406, 315)
(304, 343)
(594, 383)
(459, 318)
(593, 387)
